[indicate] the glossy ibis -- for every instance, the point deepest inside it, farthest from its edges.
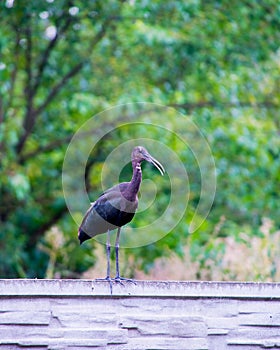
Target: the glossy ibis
(116, 207)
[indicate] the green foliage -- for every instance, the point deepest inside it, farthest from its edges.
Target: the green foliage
(62, 62)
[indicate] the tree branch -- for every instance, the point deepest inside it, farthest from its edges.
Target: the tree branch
(31, 114)
(15, 69)
(1, 113)
(47, 52)
(51, 146)
(29, 118)
(102, 31)
(60, 142)
(56, 89)
(46, 148)
(215, 104)
(27, 131)
(28, 121)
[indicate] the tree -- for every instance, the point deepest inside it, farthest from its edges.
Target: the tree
(62, 62)
(41, 55)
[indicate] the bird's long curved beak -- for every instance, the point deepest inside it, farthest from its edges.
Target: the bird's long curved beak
(156, 163)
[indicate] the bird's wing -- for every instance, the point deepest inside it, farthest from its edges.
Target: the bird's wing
(100, 199)
(86, 215)
(107, 212)
(93, 223)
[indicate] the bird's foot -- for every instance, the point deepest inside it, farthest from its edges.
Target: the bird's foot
(107, 278)
(120, 280)
(117, 279)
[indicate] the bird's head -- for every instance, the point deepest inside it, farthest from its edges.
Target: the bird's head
(139, 154)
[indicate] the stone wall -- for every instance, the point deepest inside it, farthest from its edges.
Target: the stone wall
(81, 314)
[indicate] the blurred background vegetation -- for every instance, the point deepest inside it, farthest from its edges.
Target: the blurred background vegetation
(217, 62)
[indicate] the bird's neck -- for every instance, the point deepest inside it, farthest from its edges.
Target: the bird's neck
(135, 182)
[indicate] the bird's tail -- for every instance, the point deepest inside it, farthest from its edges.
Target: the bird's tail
(83, 236)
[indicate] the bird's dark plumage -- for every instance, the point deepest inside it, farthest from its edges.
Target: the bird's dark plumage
(109, 211)
(83, 236)
(116, 206)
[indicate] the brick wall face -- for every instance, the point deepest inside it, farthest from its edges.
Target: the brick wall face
(41, 314)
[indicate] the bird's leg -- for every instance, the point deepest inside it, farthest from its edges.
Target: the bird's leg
(118, 278)
(117, 246)
(108, 254)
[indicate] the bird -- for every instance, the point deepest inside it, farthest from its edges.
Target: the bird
(115, 208)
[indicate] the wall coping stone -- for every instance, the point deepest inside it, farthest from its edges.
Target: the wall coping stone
(190, 289)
